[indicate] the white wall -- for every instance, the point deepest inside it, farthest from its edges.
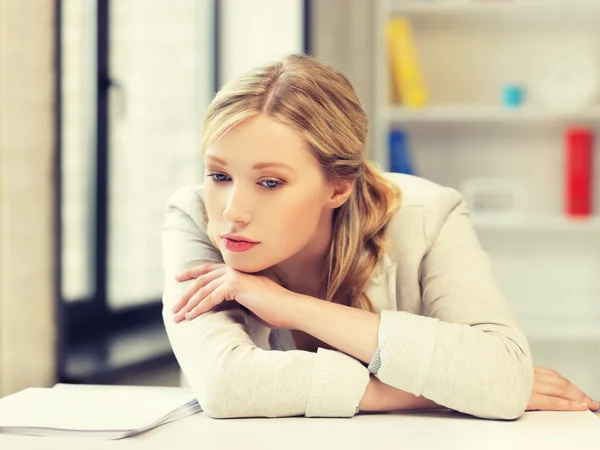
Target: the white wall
(258, 31)
(27, 152)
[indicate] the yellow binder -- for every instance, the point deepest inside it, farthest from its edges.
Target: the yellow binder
(406, 72)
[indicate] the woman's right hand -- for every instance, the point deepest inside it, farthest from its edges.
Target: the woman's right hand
(553, 392)
(215, 283)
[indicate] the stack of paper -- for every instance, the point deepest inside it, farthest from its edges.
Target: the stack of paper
(109, 412)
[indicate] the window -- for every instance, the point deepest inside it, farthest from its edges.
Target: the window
(137, 77)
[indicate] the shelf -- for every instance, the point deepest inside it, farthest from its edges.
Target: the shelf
(475, 113)
(490, 6)
(536, 224)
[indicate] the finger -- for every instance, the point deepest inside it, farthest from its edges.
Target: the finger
(185, 298)
(559, 386)
(199, 297)
(196, 271)
(200, 282)
(212, 300)
(545, 370)
(541, 402)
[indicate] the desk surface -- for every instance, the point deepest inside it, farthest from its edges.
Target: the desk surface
(423, 430)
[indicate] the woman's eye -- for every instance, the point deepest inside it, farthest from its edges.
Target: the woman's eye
(218, 177)
(271, 184)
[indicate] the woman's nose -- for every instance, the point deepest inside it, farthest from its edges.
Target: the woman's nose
(238, 207)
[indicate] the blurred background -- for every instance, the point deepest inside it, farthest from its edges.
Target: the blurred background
(101, 107)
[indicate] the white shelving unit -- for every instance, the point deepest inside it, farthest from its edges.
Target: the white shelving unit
(508, 13)
(546, 264)
(488, 6)
(536, 223)
(484, 113)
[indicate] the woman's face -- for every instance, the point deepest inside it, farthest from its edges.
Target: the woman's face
(265, 194)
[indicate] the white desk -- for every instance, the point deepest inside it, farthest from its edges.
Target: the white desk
(427, 430)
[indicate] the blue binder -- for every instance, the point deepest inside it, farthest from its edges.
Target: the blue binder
(399, 155)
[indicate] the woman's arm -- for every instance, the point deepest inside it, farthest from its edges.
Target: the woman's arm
(479, 360)
(350, 330)
(465, 352)
(379, 397)
(229, 374)
(337, 325)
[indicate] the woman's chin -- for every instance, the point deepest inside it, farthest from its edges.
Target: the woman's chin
(251, 266)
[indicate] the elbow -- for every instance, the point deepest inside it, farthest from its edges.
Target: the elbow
(214, 409)
(216, 405)
(210, 404)
(511, 397)
(216, 400)
(224, 391)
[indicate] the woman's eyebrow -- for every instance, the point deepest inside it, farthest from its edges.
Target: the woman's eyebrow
(257, 166)
(264, 165)
(217, 160)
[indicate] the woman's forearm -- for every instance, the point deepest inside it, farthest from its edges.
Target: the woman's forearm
(354, 332)
(380, 397)
(349, 330)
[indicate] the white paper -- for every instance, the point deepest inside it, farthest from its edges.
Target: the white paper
(94, 410)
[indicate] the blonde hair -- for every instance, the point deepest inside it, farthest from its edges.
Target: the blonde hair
(320, 103)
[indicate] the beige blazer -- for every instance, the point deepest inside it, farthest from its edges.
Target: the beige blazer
(446, 331)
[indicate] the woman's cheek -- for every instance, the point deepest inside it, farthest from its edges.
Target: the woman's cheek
(305, 218)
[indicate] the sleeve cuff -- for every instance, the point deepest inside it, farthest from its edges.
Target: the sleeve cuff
(375, 363)
(405, 351)
(338, 385)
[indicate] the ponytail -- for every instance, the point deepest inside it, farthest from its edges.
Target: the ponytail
(359, 237)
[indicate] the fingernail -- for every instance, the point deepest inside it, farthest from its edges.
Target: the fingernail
(177, 318)
(188, 315)
(584, 404)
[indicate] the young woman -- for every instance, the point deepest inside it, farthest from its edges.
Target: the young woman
(302, 281)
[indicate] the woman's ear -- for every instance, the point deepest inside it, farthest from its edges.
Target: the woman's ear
(340, 194)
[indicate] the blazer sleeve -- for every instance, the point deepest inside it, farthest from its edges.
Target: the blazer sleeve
(466, 352)
(229, 374)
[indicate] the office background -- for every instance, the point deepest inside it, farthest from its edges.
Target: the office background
(101, 105)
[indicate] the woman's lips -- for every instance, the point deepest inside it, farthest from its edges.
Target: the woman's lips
(238, 246)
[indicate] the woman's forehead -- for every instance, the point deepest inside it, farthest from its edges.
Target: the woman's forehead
(261, 140)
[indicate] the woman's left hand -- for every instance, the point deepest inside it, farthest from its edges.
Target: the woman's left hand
(553, 392)
(216, 283)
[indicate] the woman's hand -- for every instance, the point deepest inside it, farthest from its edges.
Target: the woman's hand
(553, 392)
(215, 283)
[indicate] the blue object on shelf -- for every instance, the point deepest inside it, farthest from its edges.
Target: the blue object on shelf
(399, 155)
(513, 95)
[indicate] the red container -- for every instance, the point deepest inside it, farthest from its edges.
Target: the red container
(578, 172)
